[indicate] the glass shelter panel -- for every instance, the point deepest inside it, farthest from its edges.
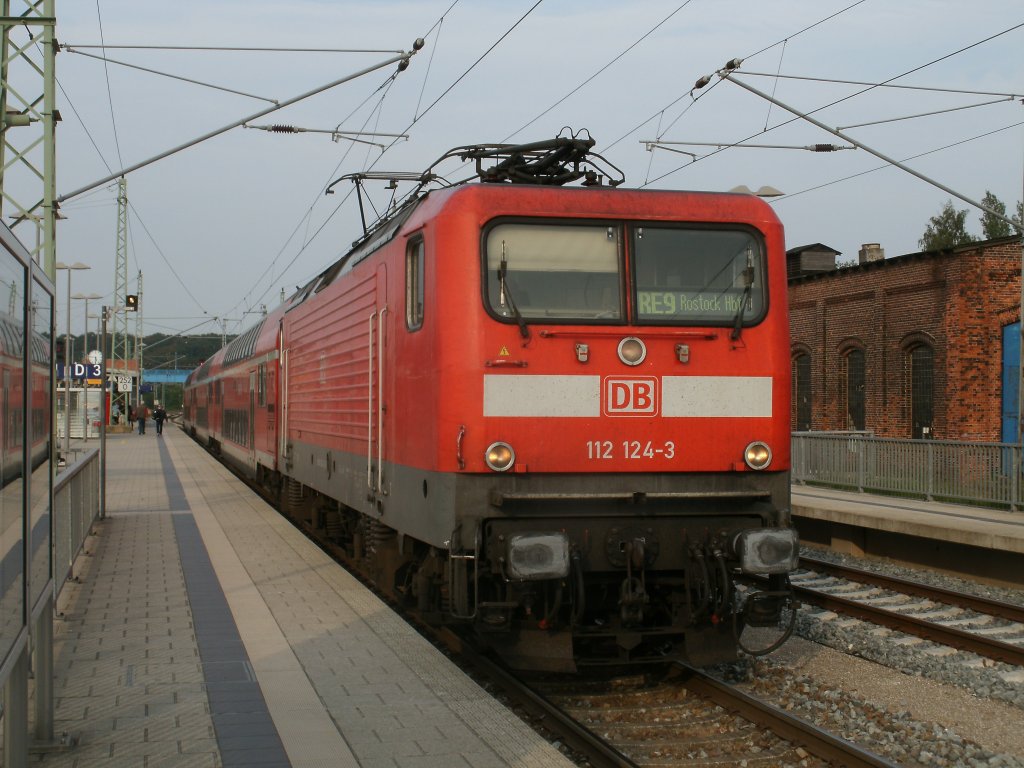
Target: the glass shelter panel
(39, 449)
(13, 277)
(698, 276)
(554, 271)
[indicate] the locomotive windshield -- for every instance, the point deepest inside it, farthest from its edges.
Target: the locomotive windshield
(699, 276)
(554, 271)
(574, 272)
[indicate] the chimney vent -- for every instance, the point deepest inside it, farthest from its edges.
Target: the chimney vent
(870, 252)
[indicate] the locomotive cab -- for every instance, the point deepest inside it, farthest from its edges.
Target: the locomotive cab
(634, 444)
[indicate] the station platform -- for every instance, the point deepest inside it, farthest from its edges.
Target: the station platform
(958, 539)
(205, 630)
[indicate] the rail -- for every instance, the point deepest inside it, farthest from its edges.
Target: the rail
(981, 474)
(76, 505)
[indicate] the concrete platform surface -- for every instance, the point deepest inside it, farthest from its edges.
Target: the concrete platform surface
(207, 631)
(981, 527)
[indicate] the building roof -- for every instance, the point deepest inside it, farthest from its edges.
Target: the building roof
(816, 247)
(976, 246)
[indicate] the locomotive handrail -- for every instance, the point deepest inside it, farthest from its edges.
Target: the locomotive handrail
(369, 410)
(497, 498)
(619, 330)
(504, 363)
(380, 400)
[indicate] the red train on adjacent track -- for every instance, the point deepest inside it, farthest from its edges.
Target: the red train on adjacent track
(559, 414)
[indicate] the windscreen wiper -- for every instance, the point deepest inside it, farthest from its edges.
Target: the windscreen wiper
(748, 286)
(505, 295)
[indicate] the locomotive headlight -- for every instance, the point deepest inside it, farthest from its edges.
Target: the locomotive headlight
(500, 457)
(757, 455)
(767, 550)
(632, 351)
(533, 556)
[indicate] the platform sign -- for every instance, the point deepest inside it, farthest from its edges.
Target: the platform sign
(79, 371)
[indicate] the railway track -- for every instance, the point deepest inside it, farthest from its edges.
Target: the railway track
(692, 718)
(988, 628)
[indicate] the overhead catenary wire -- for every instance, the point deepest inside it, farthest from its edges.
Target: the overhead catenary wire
(730, 75)
(107, 60)
(926, 114)
(701, 95)
(903, 160)
(602, 69)
(114, 175)
(110, 95)
(438, 25)
(163, 256)
(385, 86)
(887, 84)
(473, 66)
(227, 48)
(236, 124)
(416, 118)
(867, 89)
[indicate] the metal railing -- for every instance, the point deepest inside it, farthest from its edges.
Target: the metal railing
(76, 505)
(984, 474)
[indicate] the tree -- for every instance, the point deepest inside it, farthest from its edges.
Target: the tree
(992, 227)
(947, 230)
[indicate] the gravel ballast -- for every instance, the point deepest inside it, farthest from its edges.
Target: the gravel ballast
(910, 700)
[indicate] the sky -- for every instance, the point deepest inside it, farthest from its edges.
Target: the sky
(220, 228)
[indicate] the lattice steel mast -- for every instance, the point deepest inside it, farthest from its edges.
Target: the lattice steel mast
(28, 116)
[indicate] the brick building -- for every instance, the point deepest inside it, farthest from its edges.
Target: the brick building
(911, 346)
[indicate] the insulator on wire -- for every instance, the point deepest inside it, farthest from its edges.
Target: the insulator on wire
(283, 129)
(825, 148)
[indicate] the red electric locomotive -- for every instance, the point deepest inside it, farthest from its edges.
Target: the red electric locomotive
(559, 414)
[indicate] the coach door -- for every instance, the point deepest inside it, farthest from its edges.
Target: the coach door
(252, 419)
(376, 389)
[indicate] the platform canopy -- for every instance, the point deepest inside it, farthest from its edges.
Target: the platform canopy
(165, 375)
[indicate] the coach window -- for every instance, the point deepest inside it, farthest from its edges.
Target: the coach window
(261, 385)
(414, 284)
(698, 276)
(554, 272)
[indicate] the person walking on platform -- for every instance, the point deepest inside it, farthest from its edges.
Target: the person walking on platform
(141, 413)
(159, 416)
(131, 417)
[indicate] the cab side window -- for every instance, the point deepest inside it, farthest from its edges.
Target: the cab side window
(414, 284)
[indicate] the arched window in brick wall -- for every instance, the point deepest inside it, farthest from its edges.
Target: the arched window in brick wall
(921, 384)
(856, 385)
(800, 414)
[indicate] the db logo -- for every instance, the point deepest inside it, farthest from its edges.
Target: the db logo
(631, 397)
